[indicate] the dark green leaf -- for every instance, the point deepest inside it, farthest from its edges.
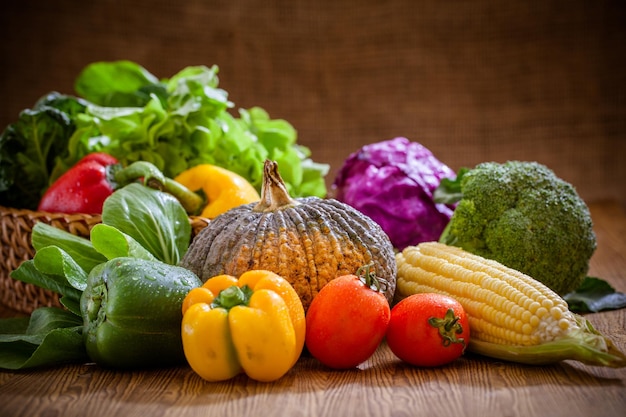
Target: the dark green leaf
(58, 347)
(156, 220)
(13, 325)
(45, 319)
(51, 336)
(449, 190)
(28, 273)
(28, 150)
(79, 248)
(71, 303)
(54, 261)
(594, 295)
(113, 243)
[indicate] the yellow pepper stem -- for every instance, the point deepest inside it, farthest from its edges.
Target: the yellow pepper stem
(232, 296)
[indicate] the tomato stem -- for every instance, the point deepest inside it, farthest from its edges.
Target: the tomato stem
(369, 278)
(449, 327)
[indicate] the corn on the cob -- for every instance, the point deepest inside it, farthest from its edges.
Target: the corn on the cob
(512, 316)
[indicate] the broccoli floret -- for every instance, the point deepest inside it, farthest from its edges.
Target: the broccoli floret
(525, 217)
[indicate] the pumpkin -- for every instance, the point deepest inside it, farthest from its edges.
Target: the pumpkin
(309, 241)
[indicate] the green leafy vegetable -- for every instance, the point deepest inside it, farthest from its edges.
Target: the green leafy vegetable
(120, 84)
(113, 243)
(29, 148)
(50, 336)
(81, 250)
(59, 283)
(139, 224)
(55, 261)
(174, 123)
(593, 295)
(156, 220)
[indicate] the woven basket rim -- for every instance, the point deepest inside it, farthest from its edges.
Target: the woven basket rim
(15, 232)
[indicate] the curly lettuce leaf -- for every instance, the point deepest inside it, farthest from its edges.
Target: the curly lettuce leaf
(117, 84)
(193, 126)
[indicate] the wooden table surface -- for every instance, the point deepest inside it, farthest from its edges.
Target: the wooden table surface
(383, 386)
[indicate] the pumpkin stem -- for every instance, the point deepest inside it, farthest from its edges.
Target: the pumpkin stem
(274, 194)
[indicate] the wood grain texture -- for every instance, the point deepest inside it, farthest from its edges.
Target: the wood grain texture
(382, 386)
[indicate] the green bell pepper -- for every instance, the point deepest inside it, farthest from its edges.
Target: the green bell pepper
(132, 310)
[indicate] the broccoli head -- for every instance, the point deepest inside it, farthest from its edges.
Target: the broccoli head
(525, 217)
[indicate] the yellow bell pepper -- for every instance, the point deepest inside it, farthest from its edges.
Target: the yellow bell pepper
(223, 189)
(254, 324)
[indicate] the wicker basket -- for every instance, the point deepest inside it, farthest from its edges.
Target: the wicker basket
(15, 237)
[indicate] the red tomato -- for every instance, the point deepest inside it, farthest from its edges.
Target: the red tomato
(428, 330)
(347, 320)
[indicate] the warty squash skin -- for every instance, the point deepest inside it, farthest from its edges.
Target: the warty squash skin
(308, 241)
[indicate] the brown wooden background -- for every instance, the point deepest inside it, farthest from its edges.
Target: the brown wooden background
(471, 80)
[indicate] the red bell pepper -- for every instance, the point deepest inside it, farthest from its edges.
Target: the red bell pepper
(85, 186)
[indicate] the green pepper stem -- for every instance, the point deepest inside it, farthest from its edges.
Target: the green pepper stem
(192, 202)
(152, 177)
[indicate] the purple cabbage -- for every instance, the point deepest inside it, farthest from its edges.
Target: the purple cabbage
(393, 183)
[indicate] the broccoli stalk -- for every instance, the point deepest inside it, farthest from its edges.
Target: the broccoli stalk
(523, 216)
